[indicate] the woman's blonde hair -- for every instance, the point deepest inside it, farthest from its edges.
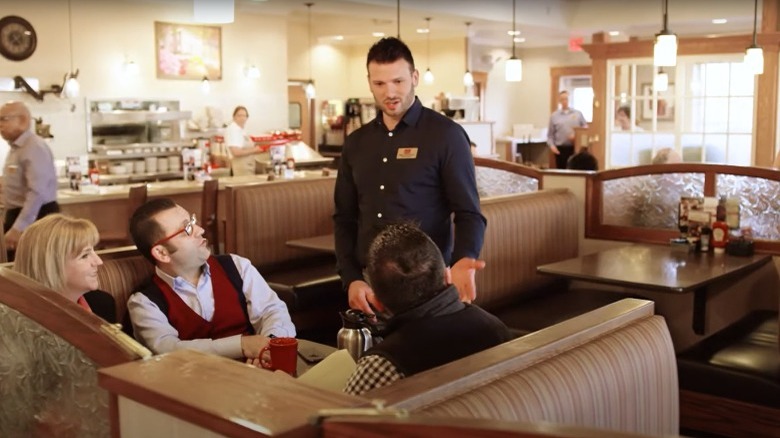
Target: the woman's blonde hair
(46, 244)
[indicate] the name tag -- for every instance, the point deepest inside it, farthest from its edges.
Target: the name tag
(406, 154)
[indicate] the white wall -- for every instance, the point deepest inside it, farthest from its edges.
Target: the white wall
(106, 33)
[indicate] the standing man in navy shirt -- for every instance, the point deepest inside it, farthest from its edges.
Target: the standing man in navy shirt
(410, 163)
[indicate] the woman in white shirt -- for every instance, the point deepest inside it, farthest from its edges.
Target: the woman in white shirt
(240, 146)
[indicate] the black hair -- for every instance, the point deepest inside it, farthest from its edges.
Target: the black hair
(144, 229)
(389, 50)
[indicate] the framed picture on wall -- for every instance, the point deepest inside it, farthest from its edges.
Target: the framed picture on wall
(665, 109)
(188, 51)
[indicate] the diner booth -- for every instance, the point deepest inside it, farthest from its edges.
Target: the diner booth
(579, 266)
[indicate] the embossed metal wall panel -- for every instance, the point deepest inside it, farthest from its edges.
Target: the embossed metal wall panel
(648, 201)
(759, 203)
(494, 182)
(48, 387)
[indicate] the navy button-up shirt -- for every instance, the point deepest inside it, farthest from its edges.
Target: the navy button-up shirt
(421, 171)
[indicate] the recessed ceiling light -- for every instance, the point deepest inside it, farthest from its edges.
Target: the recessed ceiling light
(377, 34)
(614, 32)
(513, 32)
(339, 37)
(421, 30)
(719, 21)
(519, 39)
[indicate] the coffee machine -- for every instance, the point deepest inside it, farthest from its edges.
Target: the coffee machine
(358, 111)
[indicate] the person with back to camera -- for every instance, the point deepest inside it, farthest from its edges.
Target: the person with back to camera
(560, 133)
(240, 146)
(409, 163)
(58, 251)
(428, 325)
(583, 160)
(29, 176)
(215, 304)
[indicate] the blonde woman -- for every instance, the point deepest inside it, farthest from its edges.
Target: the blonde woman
(58, 251)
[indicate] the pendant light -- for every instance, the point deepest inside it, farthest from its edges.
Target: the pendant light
(514, 66)
(754, 55)
(468, 78)
(428, 76)
(71, 87)
(309, 88)
(661, 81)
(665, 48)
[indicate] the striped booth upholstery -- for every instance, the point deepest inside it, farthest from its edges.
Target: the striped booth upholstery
(261, 218)
(524, 231)
(612, 368)
(121, 275)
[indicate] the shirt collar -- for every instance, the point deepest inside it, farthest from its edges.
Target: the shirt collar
(22, 139)
(173, 282)
(411, 117)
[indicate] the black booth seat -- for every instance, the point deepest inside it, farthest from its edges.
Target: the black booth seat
(730, 382)
(741, 362)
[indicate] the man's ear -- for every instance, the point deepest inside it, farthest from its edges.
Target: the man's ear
(160, 253)
(447, 276)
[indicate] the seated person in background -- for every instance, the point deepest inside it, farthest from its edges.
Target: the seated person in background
(667, 155)
(623, 119)
(429, 325)
(58, 251)
(582, 160)
(215, 304)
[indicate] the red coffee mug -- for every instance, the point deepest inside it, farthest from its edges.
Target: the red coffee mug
(283, 355)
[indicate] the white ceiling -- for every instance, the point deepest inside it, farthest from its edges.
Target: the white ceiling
(541, 22)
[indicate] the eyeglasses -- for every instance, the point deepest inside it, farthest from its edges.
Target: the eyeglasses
(188, 229)
(9, 117)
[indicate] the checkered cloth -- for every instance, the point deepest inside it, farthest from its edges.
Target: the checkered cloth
(372, 372)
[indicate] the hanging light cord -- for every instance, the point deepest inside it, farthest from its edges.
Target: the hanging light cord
(514, 32)
(755, 21)
(666, 17)
(398, 18)
(309, 5)
(428, 40)
(468, 26)
(70, 34)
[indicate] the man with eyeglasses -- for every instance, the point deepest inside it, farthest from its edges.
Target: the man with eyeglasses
(215, 304)
(29, 176)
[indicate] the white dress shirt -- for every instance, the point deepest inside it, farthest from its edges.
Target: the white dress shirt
(267, 313)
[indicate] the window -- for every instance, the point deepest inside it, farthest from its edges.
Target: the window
(703, 114)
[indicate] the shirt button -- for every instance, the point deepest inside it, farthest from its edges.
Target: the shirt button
(382, 187)
(384, 160)
(389, 134)
(379, 215)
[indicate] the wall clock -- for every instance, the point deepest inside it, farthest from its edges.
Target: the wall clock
(17, 38)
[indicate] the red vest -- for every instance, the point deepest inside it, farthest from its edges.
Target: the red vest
(229, 318)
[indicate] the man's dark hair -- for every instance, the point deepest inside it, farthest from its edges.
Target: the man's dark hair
(404, 267)
(144, 229)
(389, 50)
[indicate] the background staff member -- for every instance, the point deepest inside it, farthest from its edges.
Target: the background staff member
(241, 147)
(560, 134)
(29, 176)
(409, 163)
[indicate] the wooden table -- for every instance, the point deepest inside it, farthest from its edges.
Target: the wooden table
(325, 243)
(660, 268)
